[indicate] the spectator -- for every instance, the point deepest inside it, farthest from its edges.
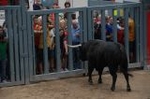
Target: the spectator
(120, 30)
(109, 28)
(97, 27)
(3, 55)
(37, 26)
(52, 15)
(8, 56)
(51, 51)
(66, 5)
(63, 44)
(50, 46)
(131, 39)
(55, 6)
(37, 5)
(75, 32)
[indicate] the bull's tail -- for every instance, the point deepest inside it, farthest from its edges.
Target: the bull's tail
(124, 60)
(130, 75)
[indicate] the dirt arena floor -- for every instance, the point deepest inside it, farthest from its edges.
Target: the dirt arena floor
(78, 88)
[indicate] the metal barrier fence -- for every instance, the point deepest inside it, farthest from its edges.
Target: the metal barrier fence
(15, 46)
(33, 56)
(23, 53)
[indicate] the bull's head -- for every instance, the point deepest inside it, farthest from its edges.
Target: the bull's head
(82, 51)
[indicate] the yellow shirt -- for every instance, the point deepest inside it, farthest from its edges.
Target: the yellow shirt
(49, 41)
(131, 29)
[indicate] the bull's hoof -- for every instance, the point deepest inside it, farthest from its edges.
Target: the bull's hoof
(84, 74)
(100, 82)
(128, 90)
(90, 82)
(112, 88)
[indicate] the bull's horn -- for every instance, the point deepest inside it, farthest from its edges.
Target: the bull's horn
(74, 46)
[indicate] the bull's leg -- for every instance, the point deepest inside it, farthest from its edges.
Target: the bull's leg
(127, 79)
(90, 70)
(114, 77)
(100, 75)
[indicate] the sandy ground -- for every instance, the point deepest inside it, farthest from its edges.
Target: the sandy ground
(78, 88)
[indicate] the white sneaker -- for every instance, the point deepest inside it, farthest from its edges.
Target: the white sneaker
(66, 69)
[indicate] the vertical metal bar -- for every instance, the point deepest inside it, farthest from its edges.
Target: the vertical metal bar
(126, 31)
(142, 38)
(144, 28)
(20, 45)
(15, 32)
(30, 43)
(137, 29)
(81, 29)
(90, 24)
(33, 52)
(103, 24)
(132, 12)
(81, 24)
(11, 47)
(119, 12)
(25, 46)
(57, 40)
(85, 35)
(45, 47)
(115, 25)
(69, 24)
(85, 19)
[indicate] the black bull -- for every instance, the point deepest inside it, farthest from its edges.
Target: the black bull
(100, 54)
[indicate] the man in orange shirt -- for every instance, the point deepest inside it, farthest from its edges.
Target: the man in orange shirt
(131, 39)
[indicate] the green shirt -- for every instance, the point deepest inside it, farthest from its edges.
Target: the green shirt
(3, 50)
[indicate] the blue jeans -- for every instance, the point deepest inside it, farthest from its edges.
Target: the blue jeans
(3, 64)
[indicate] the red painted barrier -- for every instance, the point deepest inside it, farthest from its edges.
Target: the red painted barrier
(3, 2)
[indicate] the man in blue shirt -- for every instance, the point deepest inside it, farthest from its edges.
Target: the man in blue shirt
(75, 32)
(109, 28)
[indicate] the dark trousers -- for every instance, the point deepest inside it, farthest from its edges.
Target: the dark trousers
(76, 60)
(3, 65)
